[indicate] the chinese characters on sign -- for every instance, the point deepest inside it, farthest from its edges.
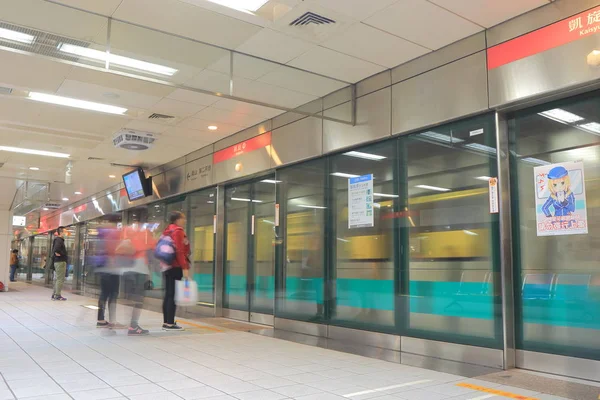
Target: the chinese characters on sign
(493, 189)
(360, 202)
(199, 172)
(560, 199)
(591, 23)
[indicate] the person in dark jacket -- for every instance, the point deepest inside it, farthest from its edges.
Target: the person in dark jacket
(177, 270)
(14, 264)
(59, 254)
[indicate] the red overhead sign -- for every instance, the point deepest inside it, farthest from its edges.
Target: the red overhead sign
(250, 145)
(562, 32)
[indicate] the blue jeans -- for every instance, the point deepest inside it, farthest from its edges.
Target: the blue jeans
(13, 271)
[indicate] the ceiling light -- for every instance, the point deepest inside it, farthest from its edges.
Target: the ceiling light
(440, 137)
(560, 115)
(270, 181)
(45, 209)
(34, 152)
(345, 175)
(437, 189)
(470, 233)
(534, 161)
(315, 207)
(366, 156)
(78, 193)
(241, 5)
(65, 199)
(481, 148)
(393, 196)
(16, 36)
(483, 178)
(592, 127)
(212, 128)
(115, 59)
(76, 103)
(34, 168)
(112, 176)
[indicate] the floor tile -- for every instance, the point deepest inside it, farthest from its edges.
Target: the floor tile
(203, 392)
(140, 389)
(297, 390)
(6, 394)
(184, 383)
(98, 394)
(273, 382)
(260, 395)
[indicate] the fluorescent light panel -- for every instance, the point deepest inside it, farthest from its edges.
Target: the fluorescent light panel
(34, 152)
(483, 178)
(534, 161)
(440, 137)
(76, 103)
(344, 175)
(241, 5)
(246, 200)
(16, 36)
(593, 127)
(115, 59)
(437, 189)
(366, 156)
(315, 207)
(481, 148)
(270, 181)
(393, 196)
(470, 233)
(560, 115)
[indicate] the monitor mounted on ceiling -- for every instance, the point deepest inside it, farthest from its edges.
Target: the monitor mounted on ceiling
(137, 185)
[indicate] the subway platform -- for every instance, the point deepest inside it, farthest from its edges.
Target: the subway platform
(53, 351)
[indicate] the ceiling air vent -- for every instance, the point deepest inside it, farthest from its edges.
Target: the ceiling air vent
(160, 116)
(311, 18)
(96, 159)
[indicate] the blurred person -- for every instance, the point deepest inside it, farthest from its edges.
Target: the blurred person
(135, 277)
(14, 264)
(178, 269)
(59, 255)
(109, 274)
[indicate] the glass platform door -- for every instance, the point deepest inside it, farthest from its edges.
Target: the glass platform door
(249, 286)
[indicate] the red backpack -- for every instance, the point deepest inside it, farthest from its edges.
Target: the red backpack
(1, 286)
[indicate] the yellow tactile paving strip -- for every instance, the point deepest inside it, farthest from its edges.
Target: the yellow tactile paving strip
(496, 392)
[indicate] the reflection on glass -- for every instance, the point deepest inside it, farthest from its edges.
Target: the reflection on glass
(202, 238)
(237, 232)
(263, 203)
(39, 258)
(301, 192)
(558, 308)
(451, 259)
(364, 264)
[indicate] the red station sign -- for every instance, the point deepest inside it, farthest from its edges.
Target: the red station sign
(247, 146)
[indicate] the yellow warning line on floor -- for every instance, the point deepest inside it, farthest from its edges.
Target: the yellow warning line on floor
(496, 392)
(208, 328)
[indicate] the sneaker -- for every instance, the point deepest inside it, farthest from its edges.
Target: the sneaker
(102, 324)
(173, 328)
(60, 298)
(137, 331)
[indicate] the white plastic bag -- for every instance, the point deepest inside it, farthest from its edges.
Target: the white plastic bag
(186, 293)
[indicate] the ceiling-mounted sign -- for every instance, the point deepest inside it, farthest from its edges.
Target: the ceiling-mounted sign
(19, 220)
(560, 199)
(360, 202)
(247, 146)
(560, 33)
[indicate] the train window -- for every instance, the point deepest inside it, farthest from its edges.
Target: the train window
(363, 255)
(301, 195)
(448, 237)
(558, 281)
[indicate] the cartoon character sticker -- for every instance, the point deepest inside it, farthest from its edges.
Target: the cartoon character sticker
(560, 199)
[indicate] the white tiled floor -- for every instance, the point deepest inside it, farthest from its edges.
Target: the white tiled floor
(52, 351)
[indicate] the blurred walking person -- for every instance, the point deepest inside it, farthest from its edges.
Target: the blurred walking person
(178, 269)
(14, 264)
(109, 274)
(59, 255)
(135, 277)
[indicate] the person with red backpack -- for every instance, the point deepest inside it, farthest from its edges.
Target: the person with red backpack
(176, 267)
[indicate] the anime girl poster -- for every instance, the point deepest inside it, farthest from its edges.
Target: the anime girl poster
(560, 199)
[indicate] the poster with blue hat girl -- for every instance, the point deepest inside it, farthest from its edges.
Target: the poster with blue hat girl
(560, 199)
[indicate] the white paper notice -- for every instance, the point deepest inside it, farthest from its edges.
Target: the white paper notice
(494, 207)
(360, 202)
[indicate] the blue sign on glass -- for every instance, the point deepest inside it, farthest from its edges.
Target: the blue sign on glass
(360, 202)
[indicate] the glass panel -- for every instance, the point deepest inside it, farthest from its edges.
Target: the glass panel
(302, 219)
(450, 234)
(202, 238)
(263, 201)
(72, 257)
(237, 203)
(152, 219)
(23, 247)
(39, 258)
(364, 262)
(558, 292)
